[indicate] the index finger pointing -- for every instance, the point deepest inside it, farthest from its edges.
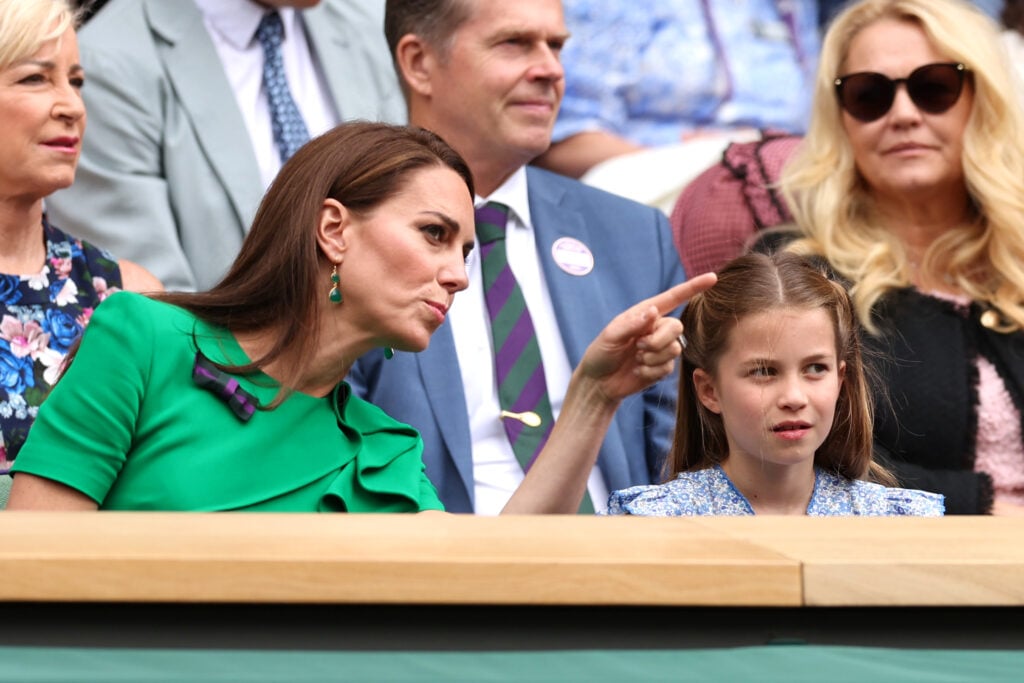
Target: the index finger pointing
(641, 318)
(673, 298)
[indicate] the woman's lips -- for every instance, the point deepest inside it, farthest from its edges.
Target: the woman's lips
(440, 309)
(907, 148)
(67, 144)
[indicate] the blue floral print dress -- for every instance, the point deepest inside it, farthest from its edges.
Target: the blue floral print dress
(711, 492)
(41, 316)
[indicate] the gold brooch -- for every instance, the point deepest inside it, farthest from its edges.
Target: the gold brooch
(990, 319)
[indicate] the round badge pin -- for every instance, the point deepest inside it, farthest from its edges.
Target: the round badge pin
(572, 256)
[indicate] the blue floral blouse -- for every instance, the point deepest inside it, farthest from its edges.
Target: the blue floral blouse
(41, 316)
(710, 492)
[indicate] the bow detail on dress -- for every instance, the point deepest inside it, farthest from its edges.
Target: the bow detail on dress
(224, 386)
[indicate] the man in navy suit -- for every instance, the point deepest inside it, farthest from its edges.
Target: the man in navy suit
(485, 75)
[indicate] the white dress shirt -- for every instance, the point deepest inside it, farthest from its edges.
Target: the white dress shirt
(232, 27)
(496, 472)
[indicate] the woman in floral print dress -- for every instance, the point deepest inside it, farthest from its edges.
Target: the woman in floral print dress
(50, 282)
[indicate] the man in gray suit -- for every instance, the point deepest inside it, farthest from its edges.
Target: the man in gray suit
(485, 75)
(179, 147)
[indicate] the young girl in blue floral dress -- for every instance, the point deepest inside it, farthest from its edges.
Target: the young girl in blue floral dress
(774, 414)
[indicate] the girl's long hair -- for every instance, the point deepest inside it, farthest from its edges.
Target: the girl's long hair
(757, 283)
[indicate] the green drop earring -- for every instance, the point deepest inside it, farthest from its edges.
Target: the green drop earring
(334, 296)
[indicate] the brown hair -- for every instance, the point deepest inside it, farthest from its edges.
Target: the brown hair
(275, 282)
(755, 283)
(434, 21)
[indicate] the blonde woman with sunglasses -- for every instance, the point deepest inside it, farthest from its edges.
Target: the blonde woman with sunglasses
(910, 183)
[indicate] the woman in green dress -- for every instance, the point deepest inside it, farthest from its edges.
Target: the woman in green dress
(234, 399)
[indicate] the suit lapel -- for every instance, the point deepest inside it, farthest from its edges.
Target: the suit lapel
(346, 66)
(556, 214)
(439, 370)
(578, 300)
(205, 94)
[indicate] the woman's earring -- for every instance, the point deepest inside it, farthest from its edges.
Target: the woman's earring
(389, 352)
(334, 296)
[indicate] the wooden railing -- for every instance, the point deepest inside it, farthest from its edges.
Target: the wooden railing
(544, 560)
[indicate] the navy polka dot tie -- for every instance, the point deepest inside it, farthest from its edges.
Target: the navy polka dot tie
(285, 120)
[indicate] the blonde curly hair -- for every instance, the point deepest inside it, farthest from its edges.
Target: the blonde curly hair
(834, 208)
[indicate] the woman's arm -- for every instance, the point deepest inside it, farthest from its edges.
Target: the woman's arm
(30, 492)
(636, 349)
(135, 278)
(85, 427)
(576, 155)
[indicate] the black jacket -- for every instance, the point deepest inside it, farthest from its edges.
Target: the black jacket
(927, 397)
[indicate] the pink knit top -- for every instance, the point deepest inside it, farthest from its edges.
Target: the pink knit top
(999, 451)
(999, 447)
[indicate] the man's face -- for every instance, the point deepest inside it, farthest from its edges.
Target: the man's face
(495, 93)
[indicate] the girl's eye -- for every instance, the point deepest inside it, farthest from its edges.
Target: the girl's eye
(817, 368)
(762, 371)
(32, 78)
(77, 82)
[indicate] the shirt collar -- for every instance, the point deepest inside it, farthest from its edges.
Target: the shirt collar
(514, 194)
(236, 21)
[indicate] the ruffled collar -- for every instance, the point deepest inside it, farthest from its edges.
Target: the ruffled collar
(380, 469)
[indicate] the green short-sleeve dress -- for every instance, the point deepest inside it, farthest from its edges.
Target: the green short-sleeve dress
(130, 427)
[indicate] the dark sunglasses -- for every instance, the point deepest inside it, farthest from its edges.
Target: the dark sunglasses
(933, 88)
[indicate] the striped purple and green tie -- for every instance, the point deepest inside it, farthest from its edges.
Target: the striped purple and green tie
(522, 389)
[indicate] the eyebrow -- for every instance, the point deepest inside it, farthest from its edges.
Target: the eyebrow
(812, 358)
(530, 33)
(45, 64)
(448, 221)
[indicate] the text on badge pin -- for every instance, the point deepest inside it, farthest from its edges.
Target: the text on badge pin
(572, 256)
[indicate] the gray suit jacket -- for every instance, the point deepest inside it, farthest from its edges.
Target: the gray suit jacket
(634, 258)
(168, 177)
